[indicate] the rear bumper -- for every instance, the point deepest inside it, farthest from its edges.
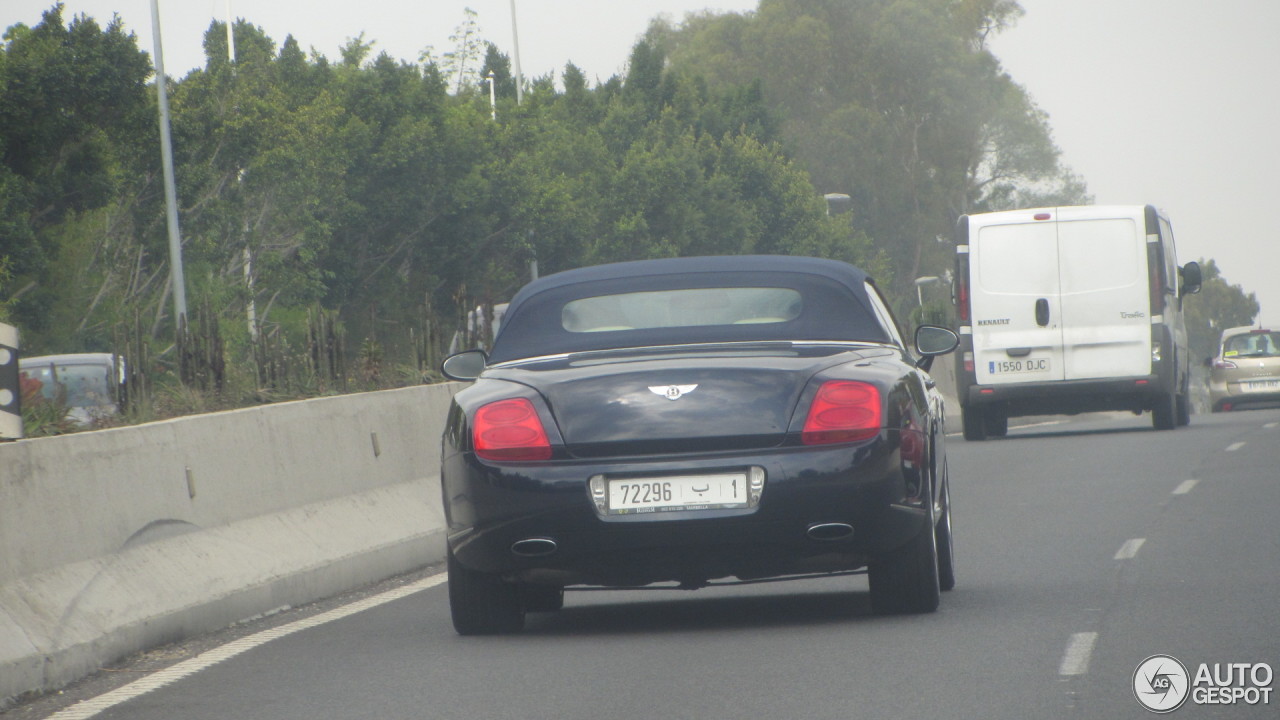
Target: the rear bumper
(868, 487)
(1222, 397)
(1069, 397)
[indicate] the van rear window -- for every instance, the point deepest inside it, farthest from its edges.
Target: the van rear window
(1101, 254)
(1017, 259)
(1074, 256)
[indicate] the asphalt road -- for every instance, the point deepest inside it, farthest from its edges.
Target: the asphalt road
(1083, 548)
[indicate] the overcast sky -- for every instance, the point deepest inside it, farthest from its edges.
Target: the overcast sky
(1169, 102)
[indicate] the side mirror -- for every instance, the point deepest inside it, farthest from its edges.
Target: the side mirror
(934, 340)
(464, 366)
(1191, 278)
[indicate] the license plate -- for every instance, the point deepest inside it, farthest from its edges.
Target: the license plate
(672, 493)
(1262, 385)
(1018, 366)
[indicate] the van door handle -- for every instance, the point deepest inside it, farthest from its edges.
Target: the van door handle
(1042, 312)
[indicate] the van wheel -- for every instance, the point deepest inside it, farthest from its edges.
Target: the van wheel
(1163, 415)
(997, 421)
(975, 423)
(1184, 410)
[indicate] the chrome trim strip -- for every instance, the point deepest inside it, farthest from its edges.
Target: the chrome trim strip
(732, 345)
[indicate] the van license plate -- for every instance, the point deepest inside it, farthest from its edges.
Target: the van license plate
(1018, 367)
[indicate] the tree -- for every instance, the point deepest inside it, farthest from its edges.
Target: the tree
(1218, 306)
(75, 117)
(895, 102)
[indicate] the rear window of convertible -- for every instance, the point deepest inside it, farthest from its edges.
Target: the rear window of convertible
(681, 308)
(685, 308)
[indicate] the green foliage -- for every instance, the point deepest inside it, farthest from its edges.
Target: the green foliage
(379, 201)
(895, 102)
(1219, 305)
(71, 100)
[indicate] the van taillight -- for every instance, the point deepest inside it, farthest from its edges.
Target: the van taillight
(510, 430)
(842, 411)
(962, 288)
(1155, 269)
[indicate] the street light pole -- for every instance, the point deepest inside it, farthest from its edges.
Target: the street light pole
(920, 283)
(515, 41)
(493, 100)
(170, 188)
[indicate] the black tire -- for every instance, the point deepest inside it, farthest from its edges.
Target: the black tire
(975, 423)
(943, 540)
(542, 598)
(1164, 414)
(906, 580)
(482, 604)
(1184, 410)
(997, 421)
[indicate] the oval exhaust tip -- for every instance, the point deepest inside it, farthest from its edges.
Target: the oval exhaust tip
(534, 547)
(830, 531)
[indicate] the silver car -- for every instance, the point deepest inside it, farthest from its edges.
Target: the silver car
(1246, 370)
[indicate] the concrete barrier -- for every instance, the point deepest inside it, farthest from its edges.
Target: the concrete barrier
(119, 540)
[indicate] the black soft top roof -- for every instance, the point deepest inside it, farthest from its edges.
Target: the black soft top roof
(836, 307)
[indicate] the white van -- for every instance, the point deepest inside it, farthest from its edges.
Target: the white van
(1068, 310)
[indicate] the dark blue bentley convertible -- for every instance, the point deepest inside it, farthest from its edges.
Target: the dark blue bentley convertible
(693, 419)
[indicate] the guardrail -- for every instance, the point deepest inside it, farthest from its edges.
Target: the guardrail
(117, 540)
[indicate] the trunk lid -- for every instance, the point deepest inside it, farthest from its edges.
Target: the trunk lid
(678, 402)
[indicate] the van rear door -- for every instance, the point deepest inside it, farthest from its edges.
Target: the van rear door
(1014, 299)
(1106, 330)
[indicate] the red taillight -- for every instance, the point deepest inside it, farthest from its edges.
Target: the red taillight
(510, 430)
(1155, 272)
(1223, 365)
(843, 411)
(962, 288)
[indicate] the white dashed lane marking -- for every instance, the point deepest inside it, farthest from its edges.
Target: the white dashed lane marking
(1185, 487)
(1234, 446)
(1075, 661)
(1130, 548)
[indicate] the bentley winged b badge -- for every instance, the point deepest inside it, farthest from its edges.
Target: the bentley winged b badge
(672, 392)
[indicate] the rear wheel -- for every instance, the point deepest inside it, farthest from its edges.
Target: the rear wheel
(906, 580)
(1163, 415)
(482, 604)
(942, 533)
(1184, 409)
(974, 421)
(997, 421)
(542, 598)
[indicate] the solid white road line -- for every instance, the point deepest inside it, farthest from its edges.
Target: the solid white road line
(1075, 661)
(1185, 487)
(1130, 548)
(155, 681)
